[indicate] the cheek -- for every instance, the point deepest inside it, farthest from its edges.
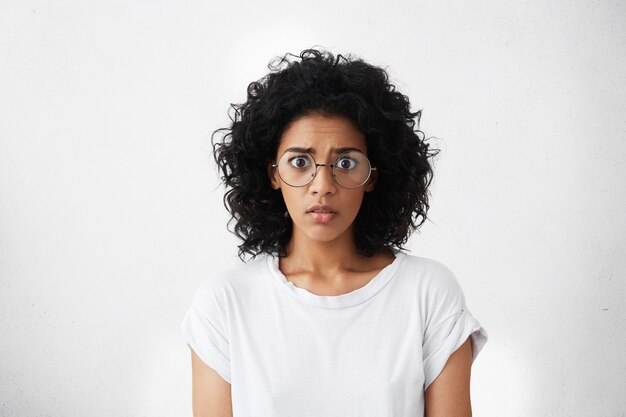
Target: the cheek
(290, 197)
(353, 202)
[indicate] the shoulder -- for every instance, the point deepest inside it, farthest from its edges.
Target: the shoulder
(428, 271)
(435, 282)
(234, 281)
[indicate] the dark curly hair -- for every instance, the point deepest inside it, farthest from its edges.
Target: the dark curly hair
(317, 81)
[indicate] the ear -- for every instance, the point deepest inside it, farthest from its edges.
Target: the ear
(273, 175)
(371, 183)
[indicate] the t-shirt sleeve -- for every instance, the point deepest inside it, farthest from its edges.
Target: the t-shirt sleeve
(205, 331)
(448, 323)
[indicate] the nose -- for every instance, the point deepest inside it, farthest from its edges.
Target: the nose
(323, 182)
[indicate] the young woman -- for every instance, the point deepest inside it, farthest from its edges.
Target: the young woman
(327, 176)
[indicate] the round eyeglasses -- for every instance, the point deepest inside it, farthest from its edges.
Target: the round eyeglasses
(351, 169)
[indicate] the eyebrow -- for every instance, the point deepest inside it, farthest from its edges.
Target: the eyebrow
(312, 151)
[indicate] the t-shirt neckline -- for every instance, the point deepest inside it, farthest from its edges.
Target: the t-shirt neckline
(350, 299)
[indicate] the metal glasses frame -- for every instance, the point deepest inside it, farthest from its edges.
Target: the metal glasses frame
(331, 166)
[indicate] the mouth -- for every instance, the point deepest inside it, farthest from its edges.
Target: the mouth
(321, 214)
(321, 217)
(321, 209)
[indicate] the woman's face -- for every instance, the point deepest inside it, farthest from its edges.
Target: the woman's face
(322, 210)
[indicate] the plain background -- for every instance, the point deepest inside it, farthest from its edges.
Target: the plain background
(111, 211)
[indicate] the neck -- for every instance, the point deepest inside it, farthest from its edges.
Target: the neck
(322, 257)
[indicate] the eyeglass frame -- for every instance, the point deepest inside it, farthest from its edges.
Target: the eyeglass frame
(331, 166)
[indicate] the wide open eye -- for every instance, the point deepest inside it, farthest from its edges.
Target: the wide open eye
(346, 163)
(299, 162)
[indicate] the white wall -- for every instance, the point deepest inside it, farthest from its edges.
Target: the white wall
(111, 214)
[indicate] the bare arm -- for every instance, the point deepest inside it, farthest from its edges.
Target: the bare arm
(211, 393)
(449, 394)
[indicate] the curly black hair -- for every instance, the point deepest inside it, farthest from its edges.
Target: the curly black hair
(317, 81)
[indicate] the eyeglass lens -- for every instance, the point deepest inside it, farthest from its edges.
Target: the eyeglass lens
(350, 169)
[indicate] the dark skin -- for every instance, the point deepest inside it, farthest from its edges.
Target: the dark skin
(449, 393)
(322, 258)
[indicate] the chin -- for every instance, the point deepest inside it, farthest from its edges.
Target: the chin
(323, 233)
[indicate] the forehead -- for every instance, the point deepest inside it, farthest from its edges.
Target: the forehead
(322, 134)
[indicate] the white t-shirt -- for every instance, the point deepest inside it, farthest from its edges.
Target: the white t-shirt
(290, 353)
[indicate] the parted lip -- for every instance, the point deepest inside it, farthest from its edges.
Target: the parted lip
(321, 207)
